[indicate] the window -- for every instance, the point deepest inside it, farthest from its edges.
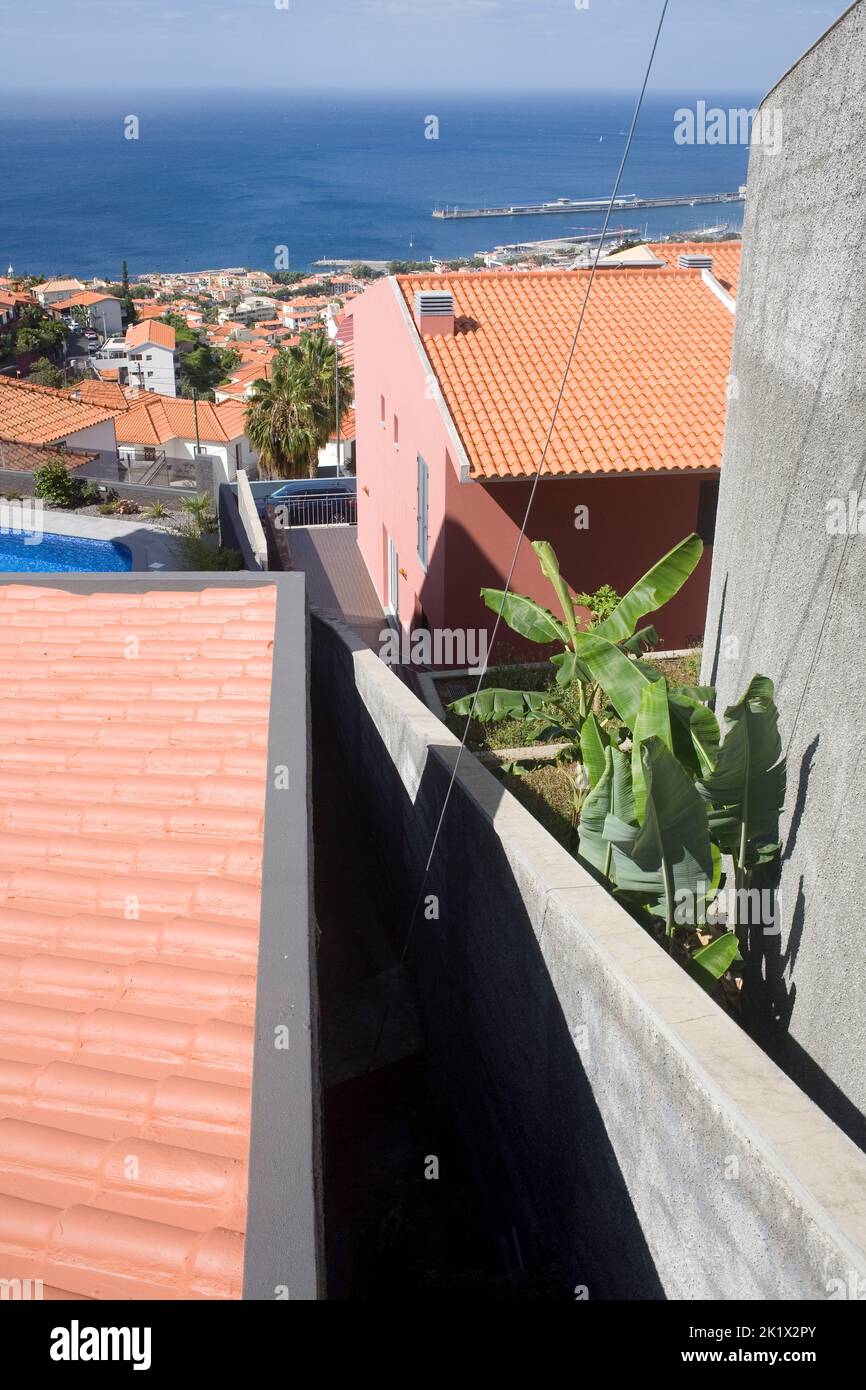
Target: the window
(382, 411)
(423, 512)
(396, 433)
(707, 508)
(393, 567)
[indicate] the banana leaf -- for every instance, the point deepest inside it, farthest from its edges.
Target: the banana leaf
(525, 616)
(695, 729)
(611, 795)
(569, 669)
(647, 637)
(593, 742)
(653, 721)
(494, 704)
(669, 854)
(550, 569)
(709, 964)
(620, 678)
(655, 589)
(746, 791)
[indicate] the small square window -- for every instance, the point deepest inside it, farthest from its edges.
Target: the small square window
(707, 507)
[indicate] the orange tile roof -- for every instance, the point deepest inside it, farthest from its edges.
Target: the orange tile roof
(153, 419)
(85, 298)
(42, 415)
(26, 458)
(54, 286)
(147, 310)
(726, 257)
(132, 801)
(151, 331)
(108, 394)
(647, 388)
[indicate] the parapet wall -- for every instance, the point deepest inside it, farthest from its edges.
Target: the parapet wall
(628, 1136)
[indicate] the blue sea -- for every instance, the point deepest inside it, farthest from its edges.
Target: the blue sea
(224, 179)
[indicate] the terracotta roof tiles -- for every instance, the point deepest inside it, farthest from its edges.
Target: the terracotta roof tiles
(32, 414)
(126, 1035)
(646, 392)
(151, 331)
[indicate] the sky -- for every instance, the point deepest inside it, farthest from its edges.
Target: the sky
(448, 46)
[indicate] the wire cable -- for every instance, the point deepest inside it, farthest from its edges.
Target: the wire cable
(528, 511)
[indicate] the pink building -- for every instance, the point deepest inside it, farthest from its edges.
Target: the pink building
(455, 382)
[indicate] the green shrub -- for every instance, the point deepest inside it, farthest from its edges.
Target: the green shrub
(56, 486)
(198, 555)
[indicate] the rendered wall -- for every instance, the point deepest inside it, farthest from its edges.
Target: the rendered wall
(626, 1135)
(787, 598)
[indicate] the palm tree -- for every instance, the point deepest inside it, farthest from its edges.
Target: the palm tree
(293, 413)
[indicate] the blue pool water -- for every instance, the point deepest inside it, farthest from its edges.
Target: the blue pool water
(27, 553)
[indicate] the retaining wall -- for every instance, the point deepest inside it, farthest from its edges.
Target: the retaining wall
(626, 1134)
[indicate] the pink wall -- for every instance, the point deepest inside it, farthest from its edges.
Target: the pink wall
(474, 526)
(388, 364)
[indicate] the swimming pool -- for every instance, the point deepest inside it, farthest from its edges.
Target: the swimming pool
(29, 553)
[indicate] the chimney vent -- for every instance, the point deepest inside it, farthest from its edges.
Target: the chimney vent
(695, 262)
(434, 313)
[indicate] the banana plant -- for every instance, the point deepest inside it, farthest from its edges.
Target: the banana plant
(745, 792)
(662, 862)
(585, 663)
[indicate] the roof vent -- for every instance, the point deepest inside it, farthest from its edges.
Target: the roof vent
(434, 313)
(695, 262)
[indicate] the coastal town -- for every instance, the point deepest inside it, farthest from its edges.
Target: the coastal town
(428, 870)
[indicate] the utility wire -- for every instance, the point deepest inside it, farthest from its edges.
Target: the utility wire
(536, 479)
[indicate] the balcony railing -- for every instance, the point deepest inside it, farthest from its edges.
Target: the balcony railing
(314, 509)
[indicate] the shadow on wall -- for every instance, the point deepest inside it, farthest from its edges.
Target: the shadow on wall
(505, 1066)
(769, 984)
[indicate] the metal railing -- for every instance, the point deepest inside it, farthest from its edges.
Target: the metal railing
(314, 509)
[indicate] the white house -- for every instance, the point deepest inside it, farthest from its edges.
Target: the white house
(176, 430)
(102, 311)
(50, 291)
(146, 357)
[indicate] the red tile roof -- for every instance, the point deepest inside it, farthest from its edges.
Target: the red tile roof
(132, 800)
(109, 395)
(151, 331)
(26, 458)
(726, 257)
(154, 419)
(41, 415)
(86, 298)
(647, 388)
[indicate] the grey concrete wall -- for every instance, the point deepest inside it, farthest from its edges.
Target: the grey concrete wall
(787, 598)
(626, 1134)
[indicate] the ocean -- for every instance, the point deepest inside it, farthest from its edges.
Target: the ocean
(224, 179)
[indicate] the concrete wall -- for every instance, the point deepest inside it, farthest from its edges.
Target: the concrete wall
(627, 1136)
(787, 598)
